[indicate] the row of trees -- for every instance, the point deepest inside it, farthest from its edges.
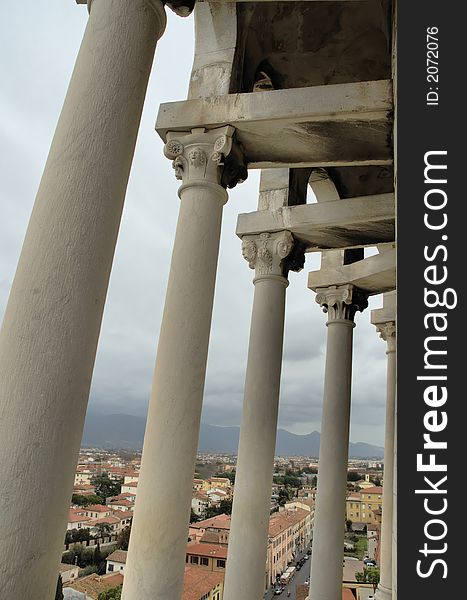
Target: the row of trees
(84, 534)
(85, 557)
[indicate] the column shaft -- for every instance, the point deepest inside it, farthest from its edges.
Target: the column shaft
(156, 557)
(384, 591)
(328, 536)
(50, 331)
(246, 561)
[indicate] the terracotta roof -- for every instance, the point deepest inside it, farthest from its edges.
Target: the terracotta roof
(201, 496)
(118, 556)
(110, 520)
(75, 516)
(376, 489)
(281, 521)
(124, 495)
(121, 502)
(123, 514)
(211, 537)
(219, 522)
(94, 584)
(201, 549)
(97, 508)
(198, 582)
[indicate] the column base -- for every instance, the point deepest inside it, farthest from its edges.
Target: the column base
(383, 593)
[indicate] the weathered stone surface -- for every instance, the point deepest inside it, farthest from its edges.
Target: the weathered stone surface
(375, 274)
(369, 220)
(333, 125)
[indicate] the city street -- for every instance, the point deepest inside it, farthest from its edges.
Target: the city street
(298, 578)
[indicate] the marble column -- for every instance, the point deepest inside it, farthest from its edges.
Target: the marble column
(246, 560)
(205, 161)
(51, 326)
(384, 591)
(341, 304)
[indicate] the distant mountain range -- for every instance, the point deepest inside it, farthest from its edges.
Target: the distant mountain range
(127, 431)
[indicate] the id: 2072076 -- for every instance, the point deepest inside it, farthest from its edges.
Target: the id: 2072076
(432, 66)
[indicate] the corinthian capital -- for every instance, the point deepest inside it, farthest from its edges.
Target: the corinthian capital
(387, 332)
(200, 155)
(341, 302)
(266, 252)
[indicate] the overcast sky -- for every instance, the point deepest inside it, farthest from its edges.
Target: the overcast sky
(38, 50)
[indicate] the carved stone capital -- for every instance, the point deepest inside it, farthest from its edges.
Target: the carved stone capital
(200, 155)
(341, 302)
(387, 332)
(266, 252)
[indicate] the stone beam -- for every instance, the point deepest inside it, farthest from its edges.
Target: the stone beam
(354, 222)
(374, 275)
(347, 124)
(388, 312)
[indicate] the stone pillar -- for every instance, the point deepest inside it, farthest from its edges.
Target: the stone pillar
(384, 591)
(394, 508)
(51, 326)
(341, 304)
(246, 561)
(156, 557)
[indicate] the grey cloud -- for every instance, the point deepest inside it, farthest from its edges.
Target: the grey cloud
(39, 49)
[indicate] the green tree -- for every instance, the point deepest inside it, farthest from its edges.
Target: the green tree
(59, 590)
(85, 500)
(284, 496)
(103, 530)
(97, 558)
(225, 506)
(368, 575)
(193, 517)
(354, 476)
(348, 524)
(373, 577)
(111, 594)
(89, 570)
(123, 538)
(106, 487)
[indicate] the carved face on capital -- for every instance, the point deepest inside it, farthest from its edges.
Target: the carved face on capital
(249, 252)
(178, 167)
(197, 157)
(284, 246)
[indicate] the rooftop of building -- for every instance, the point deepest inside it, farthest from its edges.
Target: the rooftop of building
(97, 508)
(118, 556)
(94, 584)
(209, 550)
(197, 582)
(376, 489)
(281, 521)
(218, 522)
